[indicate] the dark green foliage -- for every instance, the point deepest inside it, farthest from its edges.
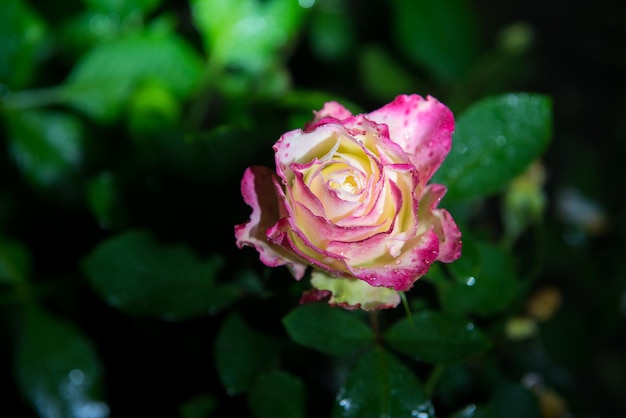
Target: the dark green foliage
(126, 127)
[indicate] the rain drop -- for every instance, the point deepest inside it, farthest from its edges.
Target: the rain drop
(77, 377)
(461, 148)
(468, 411)
(345, 404)
(469, 326)
(500, 140)
(471, 281)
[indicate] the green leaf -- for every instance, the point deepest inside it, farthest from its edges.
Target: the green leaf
(15, 262)
(440, 35)
(246, 33)
(435, 337)
(376, 64)
(476, 411)
(514, 401)
(328, 329)
(57, 368)
(492, 289)
(277, 394)
(105, 77)
(241, 353)
(46, 146)
(103, 199)
(199, 407)
(494, 141)
(22, 33)
(135, 274)
(331, 32)
(378, 386)
(122, 8)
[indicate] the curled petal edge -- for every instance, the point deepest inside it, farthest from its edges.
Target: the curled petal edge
(257, 189)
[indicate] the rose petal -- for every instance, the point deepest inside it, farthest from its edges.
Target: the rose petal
(257, 190)
(351, 293)
(442, 222)
(298, 146)
(423, 128)
(333, 110)
(401, 273)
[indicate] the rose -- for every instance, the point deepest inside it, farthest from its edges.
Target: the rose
(350, 198)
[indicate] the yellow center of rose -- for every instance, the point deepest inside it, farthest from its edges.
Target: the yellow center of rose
(348, 184)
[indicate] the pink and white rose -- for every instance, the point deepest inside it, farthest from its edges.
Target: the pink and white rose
(350, 197)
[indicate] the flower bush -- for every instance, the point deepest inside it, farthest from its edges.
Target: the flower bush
(350, 198)
(126, 127)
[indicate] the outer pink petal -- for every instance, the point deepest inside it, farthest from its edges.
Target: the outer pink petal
(422, 127)
(333, 110)
(258, 192)
(442, 222)
(406, 269)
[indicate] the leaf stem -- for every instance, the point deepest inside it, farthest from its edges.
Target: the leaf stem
(407, 309)
(374, 322)
(28, 99)
(433, 379)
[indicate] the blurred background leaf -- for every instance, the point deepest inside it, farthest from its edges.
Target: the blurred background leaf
(47, 146)
(241, 354)
(58, 369)
(105, 78)
(443, 37)
(278, 394)
(136, 274)
(22, 43)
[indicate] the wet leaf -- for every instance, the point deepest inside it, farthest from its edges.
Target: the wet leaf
(492, 289)
(277, 394)
(435, 337)
(57, 368)
(475, 411)
(138, 275)
(328, 329)
(495, 140)
(379, 385)
(241, 353)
